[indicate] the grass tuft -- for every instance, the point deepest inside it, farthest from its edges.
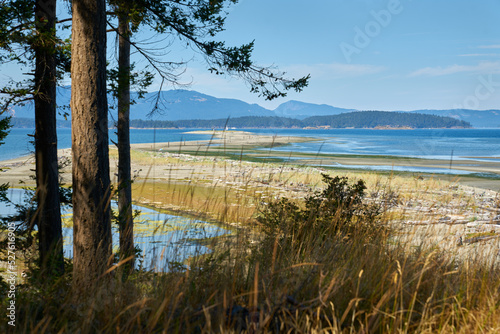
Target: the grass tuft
(311, 252)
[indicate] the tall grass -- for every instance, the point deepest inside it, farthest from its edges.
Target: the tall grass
(309, 264)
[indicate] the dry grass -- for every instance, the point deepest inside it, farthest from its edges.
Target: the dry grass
(359, 285)
(395, 281)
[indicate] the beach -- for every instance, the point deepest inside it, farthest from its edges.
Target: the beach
(224, 179)
(248, 146)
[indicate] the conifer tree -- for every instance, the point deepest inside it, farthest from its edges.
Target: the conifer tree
(28, 37)
(196, 23)
(89, 110)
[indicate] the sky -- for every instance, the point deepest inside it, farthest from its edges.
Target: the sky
(362, 54)
(369, 54)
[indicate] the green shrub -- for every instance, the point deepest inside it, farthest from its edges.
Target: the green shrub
(338, 211)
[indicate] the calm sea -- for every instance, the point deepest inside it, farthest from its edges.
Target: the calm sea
(19, 141)
(475, 144)
(421, 143)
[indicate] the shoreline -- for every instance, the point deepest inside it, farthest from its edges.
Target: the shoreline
(251, 146)
(225, 185)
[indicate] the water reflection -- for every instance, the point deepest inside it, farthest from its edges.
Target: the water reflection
(163, 239)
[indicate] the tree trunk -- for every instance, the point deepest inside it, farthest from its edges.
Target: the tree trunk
(125, 218)
(48, 214)
(91, 182)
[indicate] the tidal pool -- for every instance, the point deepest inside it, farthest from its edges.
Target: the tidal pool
(165, 241)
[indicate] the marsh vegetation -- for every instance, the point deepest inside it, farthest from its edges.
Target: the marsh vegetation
(313, 250)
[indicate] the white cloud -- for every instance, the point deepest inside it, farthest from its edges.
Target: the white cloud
(482, 67)
(334, 70)
(227, 87)
(200, 79)
(480, 55)
(494, 46)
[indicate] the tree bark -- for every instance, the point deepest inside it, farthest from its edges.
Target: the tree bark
(91, 181)
(125, 218)
(48, 214)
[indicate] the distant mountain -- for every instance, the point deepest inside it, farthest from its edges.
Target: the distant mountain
(177, 105)
(185, 104)
(478, 118)
(173, 105)
(28, 110)
(301, 110)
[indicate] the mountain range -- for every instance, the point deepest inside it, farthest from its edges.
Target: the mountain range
(174, 105)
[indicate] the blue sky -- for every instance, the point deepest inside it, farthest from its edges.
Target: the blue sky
(425, 54)
(364, 54)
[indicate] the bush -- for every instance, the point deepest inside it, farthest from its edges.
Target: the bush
(338, 211)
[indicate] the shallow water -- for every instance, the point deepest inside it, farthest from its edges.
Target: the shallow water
(459, 144)
(413, 169)
(474, 145)
(162, 238)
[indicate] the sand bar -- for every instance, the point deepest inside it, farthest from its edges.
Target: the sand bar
(249, 145)
(206, 177)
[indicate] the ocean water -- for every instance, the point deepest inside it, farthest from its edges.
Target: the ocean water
(19, 141)
(465, 144)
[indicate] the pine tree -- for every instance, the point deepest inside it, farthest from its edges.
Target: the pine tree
(48, 214)
(91, 180)
(30, 26)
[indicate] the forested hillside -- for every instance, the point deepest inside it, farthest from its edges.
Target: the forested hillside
(243, 122)
(359, 119)
(372, 119)
(175, 105)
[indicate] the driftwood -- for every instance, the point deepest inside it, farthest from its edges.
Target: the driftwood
(461, 241)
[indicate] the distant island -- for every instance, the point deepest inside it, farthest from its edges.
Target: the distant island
(357, 119)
